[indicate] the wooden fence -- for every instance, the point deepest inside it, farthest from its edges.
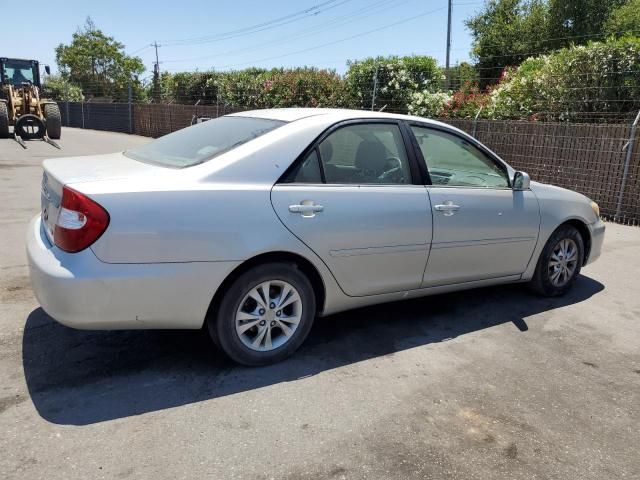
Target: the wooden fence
(155, 120)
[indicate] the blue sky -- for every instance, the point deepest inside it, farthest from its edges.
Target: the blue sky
(200, 34)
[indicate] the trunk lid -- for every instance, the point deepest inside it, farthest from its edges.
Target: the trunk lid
(77, 170)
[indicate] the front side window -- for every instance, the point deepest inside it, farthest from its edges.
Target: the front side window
(365, 154)
(452, 161)
(203, 142)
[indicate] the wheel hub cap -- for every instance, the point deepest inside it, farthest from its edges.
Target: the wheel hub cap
(268, 315)
(563, 262)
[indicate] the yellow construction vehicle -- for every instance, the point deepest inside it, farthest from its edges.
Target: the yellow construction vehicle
(21, 106)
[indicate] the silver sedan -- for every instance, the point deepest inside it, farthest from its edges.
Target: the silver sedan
(255, 223)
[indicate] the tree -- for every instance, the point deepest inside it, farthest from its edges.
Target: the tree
(98, 63)
(58, 88)
(462, 74)
(578, 21)
(505, 33)
(624, 20)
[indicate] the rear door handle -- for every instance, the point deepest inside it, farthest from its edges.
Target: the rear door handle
(448, 208)
(306, 208)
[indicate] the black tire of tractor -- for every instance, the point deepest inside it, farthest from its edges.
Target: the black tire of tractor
(4, 120)
(53, 121)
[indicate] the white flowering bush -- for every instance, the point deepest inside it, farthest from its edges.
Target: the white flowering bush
(394, 80)
(429, 104)
(585, 82)
(519, 93)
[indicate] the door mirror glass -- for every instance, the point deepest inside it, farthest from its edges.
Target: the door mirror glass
(47, 69)
(521, 181)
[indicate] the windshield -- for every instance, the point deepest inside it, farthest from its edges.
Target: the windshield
(203, 142)
(17, 72)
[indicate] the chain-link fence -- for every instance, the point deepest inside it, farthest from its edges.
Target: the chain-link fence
(600, 160)
(566, 118)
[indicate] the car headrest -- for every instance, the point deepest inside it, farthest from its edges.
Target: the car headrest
(371, 156)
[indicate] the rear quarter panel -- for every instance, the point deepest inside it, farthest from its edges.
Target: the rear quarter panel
(204, 225)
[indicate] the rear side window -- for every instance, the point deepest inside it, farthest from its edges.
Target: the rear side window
(365, 154)
(361, 154)
(203, 142)
(308, 171)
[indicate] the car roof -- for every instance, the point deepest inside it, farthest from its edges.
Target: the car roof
(337, 114)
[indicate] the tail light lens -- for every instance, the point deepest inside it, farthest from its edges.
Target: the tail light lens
(80, 222)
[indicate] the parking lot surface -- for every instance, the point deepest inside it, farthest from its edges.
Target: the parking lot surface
(490, 383)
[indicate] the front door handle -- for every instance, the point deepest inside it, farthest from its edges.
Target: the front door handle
(307, 208)
(448, 208)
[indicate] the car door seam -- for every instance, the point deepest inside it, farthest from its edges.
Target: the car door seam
(535, 247)
(275, 211)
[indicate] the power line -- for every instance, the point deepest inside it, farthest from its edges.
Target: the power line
(284, 20)
(332, 23)
(140, 50)
(362, 34)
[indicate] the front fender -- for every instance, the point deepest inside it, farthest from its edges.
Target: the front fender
(557, 206)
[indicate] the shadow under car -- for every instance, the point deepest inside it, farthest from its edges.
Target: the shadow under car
(82, 377)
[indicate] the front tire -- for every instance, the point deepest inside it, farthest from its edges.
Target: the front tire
(559, 263)
(265, 315)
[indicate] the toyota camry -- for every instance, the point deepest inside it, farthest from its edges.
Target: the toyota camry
(252, 224)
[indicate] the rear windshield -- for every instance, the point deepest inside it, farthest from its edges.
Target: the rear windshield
(203, 142)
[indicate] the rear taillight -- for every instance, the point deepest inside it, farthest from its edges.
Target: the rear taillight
(80, 222)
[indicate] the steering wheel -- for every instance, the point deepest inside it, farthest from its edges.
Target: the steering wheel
(472, 180)
(394, 174)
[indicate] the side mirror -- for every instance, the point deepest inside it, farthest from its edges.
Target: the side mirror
(521, 181)
(47, 69)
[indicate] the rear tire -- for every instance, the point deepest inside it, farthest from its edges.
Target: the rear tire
(559, 263)
(4, 120)
(253, 330)
(53, 121)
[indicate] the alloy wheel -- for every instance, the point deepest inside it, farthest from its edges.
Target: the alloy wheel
(563, 262)
(268, 315)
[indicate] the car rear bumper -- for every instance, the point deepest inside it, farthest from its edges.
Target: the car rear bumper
(80, 291)
(597, 238)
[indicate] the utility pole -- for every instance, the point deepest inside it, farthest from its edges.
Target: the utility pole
(156, 75)
(447, 74)
(375, 88)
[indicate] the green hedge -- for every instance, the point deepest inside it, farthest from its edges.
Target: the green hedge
(597, 79)
(589, 82)
(256, 88)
